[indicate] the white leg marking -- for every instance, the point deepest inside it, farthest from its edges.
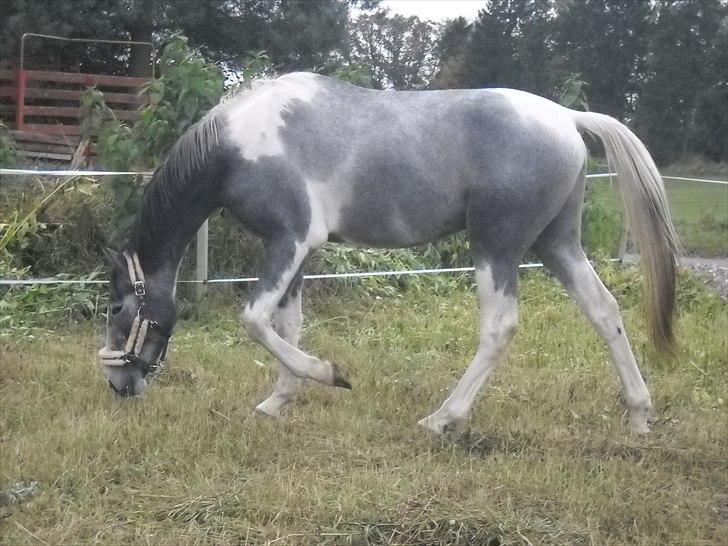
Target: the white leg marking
(603, 312)
(498, 324)
(257, 317)
(288, 321)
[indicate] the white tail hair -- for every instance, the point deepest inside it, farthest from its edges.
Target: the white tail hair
(648, 214)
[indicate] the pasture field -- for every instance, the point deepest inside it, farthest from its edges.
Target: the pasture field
(699, 211)
(546, 459)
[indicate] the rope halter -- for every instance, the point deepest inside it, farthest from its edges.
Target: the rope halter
(139, 328)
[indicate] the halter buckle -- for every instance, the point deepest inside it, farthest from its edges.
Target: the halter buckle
(139, 288)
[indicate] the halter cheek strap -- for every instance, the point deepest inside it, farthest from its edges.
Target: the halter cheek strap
(139, 328)
(136, 275)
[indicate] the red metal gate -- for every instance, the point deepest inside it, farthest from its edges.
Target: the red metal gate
(43, 108)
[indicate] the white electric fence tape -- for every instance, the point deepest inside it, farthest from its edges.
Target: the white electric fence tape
(359, 274)
(24, 172)
(90, 174)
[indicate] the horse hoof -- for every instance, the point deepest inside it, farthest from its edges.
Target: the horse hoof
(432, 425)
(265, 410)
(339, 379)
(641, 429)
(638, 422)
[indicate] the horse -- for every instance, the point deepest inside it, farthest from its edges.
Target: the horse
(303, 159)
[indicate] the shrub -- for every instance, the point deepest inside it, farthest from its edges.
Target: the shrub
(24, 306)
(8, 147)
(601, 225)
(187, 88)
(453, 251)
(357, 74)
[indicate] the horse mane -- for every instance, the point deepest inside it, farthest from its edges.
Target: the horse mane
(177, 175)
(188, 155)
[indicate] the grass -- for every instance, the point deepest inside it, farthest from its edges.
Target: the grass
(699, 211)
(547, 458)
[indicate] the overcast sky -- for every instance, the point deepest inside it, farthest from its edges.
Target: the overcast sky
(435, 10)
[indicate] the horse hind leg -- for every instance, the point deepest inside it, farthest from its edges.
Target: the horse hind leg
(496, 280)
(559, 247)
(500, 233)
(287, 322)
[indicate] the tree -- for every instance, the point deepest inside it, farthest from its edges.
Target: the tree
(66, 19)
(681, 107)
(296, 33)
(450, 52)
(507, 46)
(399, 50)
(604, 41)
(490, 53)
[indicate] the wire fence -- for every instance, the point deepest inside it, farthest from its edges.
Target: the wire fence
(696, 205)
(92, 174)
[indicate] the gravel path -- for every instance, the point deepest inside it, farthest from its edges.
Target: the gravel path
(713, 270)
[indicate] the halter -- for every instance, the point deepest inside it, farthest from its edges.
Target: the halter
(139, 328)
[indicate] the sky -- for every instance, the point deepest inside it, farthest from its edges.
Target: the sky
(435, 10)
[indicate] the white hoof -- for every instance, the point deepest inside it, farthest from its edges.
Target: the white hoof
(638, 421)
(270, 407)
(436, 425)
(430, 426)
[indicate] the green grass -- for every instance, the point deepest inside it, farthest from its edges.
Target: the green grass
(547, 458)
(699, 211)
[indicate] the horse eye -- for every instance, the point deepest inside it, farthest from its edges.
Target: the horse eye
(116, 309)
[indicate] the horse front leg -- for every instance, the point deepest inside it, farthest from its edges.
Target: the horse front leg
(287, 321)
(283, 260)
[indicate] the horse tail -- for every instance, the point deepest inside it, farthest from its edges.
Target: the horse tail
(649, 217)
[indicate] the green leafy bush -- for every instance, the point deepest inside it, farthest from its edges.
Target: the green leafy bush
(572, 92)
(256, 64)
(355, 73)
(18, 228)
(23, 307)
(188, 86)
(452, 252)
(601, 225)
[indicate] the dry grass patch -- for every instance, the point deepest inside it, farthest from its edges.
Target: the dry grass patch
(546, 459)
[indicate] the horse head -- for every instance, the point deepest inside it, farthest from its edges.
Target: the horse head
(138, 325)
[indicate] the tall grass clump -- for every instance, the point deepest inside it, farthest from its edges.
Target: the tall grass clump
(22, 231)
(9, 151)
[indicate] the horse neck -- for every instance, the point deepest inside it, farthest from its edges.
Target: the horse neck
(161, 235)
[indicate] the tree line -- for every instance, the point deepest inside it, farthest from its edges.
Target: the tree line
(659, 65)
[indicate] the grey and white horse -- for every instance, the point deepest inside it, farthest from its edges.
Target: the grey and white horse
(305, 159)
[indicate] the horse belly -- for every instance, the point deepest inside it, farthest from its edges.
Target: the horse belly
(394, 216)
(394, 231)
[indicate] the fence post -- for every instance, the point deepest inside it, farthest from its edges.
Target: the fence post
(623, 237)
(201, 270)
(624, 233)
